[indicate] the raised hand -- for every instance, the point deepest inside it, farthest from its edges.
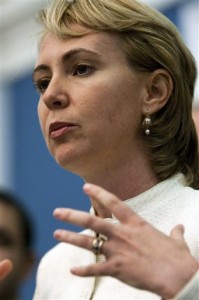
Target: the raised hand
(136, 253)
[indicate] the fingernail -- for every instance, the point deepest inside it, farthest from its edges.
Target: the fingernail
(57, 212)
(58, 234)
(87, 186)
(74, 270)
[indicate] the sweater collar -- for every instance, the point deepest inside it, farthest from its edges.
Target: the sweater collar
(160, 192)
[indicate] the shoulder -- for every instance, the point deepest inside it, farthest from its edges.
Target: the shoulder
(189, 197)
(180, 193)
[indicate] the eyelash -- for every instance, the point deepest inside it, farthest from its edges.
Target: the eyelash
(38, 84)
(87, 72)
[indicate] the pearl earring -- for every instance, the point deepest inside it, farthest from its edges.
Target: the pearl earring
(147, 123)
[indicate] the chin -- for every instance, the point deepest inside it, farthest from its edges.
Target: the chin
(72, 160)
(68, 162)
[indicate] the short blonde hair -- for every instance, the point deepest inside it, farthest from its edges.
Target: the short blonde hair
(150, 42)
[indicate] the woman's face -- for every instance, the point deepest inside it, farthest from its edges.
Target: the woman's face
(90, 106)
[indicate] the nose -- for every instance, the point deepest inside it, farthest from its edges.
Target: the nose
(55, 96)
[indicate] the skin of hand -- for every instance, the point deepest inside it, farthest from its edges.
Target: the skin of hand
(5, 268)
(136, 253)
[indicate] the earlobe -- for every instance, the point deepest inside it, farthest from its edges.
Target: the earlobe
(159, 89)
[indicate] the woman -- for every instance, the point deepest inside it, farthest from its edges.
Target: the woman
(116, 91)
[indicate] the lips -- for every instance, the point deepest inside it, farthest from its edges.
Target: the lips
(59, 129)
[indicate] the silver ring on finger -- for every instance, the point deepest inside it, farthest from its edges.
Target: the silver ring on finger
(97, 244)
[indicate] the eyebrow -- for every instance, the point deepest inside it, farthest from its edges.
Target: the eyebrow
(39, 69)
(66, 57)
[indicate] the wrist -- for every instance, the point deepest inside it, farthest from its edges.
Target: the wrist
(176, 281)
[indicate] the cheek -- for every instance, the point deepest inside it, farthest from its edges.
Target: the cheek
(9, 253)
(17, 258)
(112, 103)
(4, 253)
(41, 115)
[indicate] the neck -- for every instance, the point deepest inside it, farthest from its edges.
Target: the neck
(125, 181)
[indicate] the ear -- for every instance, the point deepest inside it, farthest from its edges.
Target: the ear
(159, 89)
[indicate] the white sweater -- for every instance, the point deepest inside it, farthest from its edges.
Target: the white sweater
(165, 205)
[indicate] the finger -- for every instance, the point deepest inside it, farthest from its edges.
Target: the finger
(5, 268)
(99, 269)
(77, 239)
(177, 232)
(84, 219)
(121, 211)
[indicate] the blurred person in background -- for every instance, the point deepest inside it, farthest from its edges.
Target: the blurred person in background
(16, 237)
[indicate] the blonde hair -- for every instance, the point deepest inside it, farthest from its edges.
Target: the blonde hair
(150, 42)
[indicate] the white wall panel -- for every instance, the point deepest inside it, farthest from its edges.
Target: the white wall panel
(5, 139)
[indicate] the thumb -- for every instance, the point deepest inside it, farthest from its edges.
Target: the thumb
(177, 233)
(5, 268)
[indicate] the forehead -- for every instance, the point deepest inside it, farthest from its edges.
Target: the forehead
(101, 43)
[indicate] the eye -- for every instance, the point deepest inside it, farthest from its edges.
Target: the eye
(82, 70)
(42, 85)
